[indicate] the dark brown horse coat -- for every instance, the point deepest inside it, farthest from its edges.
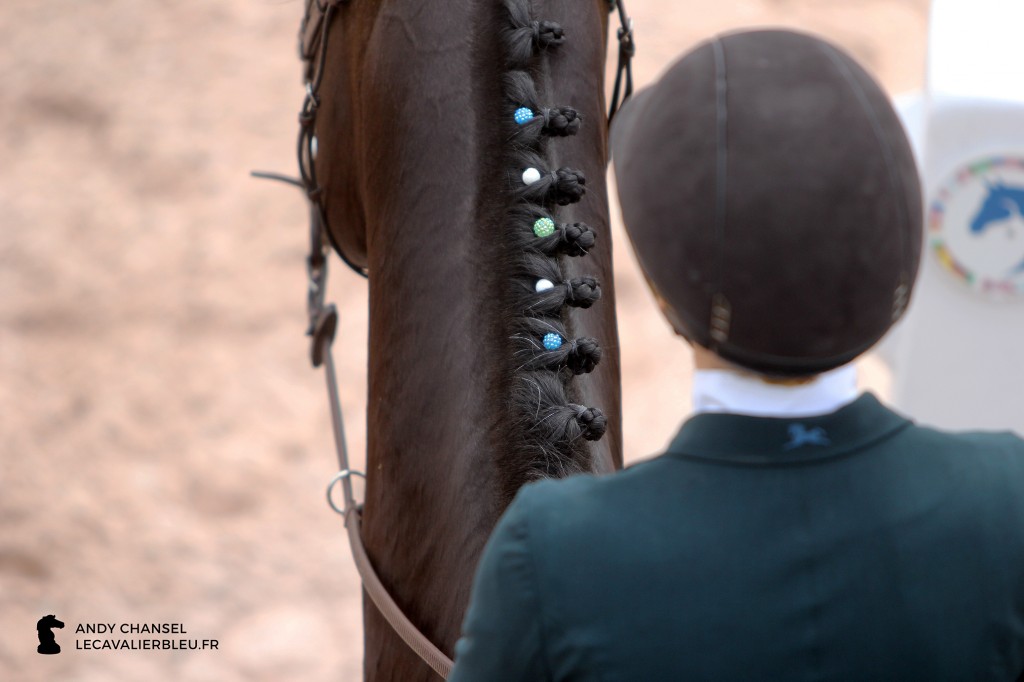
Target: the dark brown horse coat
(414, 156)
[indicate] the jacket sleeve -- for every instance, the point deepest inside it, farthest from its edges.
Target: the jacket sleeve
(502, 635)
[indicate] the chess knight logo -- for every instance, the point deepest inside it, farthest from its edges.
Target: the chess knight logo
(44, 628)
(976, 226)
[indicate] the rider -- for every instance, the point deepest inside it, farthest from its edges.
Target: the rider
(794, 529)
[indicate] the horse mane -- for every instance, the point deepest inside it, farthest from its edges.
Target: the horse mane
(545, 429)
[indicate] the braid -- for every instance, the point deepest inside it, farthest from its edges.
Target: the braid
(543, 344)
(539, 185)
(535, 230)
(551, 429)
(551, 425)
(539, 289)
(523, 37)
(535, 120)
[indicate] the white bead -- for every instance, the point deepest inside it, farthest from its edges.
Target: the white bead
(544, 285)
(313, 146)
(530, 176)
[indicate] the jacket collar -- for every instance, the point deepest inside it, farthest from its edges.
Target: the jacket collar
(779, 441)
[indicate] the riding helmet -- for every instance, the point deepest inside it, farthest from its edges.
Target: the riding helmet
(772, 200)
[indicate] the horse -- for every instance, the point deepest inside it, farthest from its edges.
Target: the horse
(456, 153)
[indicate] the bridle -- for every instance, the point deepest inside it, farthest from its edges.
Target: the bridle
(323, 317)
(313, 39)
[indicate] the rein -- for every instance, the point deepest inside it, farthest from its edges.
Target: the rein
(627, 48)
(323, 317)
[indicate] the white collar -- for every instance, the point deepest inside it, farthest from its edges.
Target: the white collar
(723, 390)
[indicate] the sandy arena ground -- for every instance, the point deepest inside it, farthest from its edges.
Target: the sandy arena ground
(165, 444)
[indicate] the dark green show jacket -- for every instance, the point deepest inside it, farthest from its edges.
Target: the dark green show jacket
(851, 546)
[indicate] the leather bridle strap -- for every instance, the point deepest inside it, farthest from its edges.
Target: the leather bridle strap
(323, 325)
(313, 40)
(423, 647)
(352, 513)
(627, 48)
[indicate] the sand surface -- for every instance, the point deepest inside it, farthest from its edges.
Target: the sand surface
(164, 444)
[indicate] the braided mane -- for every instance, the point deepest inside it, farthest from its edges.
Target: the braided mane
(550, 429)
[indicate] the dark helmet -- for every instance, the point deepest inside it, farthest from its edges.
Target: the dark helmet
(772, 199)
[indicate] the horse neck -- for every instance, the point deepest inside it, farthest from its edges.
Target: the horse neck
(433, 183)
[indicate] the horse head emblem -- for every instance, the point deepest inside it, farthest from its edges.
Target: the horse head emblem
(1002, 203)
(800, 435)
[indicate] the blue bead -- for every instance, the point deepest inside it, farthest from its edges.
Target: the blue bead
(523, 115)
(552, 341)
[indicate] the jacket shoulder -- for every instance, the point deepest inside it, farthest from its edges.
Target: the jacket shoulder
(587, 502)
(982, 470)
(1005, 447)
(582, 488)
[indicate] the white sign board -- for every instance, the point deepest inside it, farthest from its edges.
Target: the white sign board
(958, 357)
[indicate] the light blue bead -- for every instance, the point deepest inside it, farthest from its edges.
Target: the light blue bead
(523, 115)
(552, 341)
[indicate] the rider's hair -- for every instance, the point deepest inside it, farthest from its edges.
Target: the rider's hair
(551, 428)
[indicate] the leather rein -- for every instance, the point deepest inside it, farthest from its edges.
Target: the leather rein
(323, 317)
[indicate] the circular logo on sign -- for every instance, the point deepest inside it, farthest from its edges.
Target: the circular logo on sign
(976, 226)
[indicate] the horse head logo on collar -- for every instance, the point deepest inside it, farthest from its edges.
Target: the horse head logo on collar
(800, 435)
